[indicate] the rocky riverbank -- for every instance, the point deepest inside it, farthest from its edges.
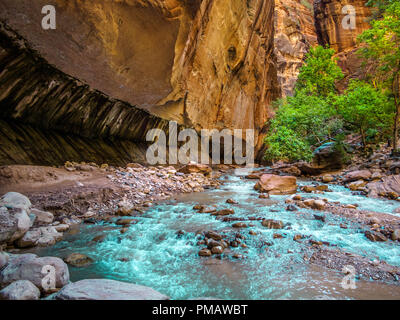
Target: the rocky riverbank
(62, 198)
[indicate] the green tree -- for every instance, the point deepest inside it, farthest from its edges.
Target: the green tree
(364, 108)
(307, 118)
(319, 74)
(382, 50)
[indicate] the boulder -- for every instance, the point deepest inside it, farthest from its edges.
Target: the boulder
(357, 175)
(43, 237)
(375, 236)
(205, 252)
(105, 289)
(15, 200)
(319, 204)
(14, 223)
(325, 158)
(386, 185)
(30, 266)
(273, 224)
(20, 290)
(78, 260)
(195, 168)
(42, 217)
(223, 212)
(327, 178)
(274, 184)
(357, 185)
(396, 235)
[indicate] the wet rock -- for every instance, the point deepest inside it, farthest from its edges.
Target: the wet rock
(343, 226)
(309, 202)
(62, 227)
(357, 175)
(357, 186)
(42, 217)
(264, 196)
(78, 260)
(105, 289)
(224, 212)
(239, 225)
(273, 224)
(277, 236)
(291, 207)
(308, 189)
(217, 250)
(205, 253)
(124, 222)
(213, 235)
(375, 236)
(396, 235)
(205, 209)
(297, 197)
(20, 290)
(231, 201)
(274, 184)
(319, 204)
(298, 237)
(327, 178)
(198, 207)
(14, 223)
(253, 176)
(99, 238)
(350, 206)
(31, 267)
(319, 218)
(388, 184)
(195, 168)
(15, 200)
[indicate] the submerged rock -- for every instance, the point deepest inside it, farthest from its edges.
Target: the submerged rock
(273, 224)
(375, 236)
(105, 289)
(20, 290)
(205, 252)
(78, 260)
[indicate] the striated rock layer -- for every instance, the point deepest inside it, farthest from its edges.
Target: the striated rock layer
(330, 31)
(294, 35)
(205, 63)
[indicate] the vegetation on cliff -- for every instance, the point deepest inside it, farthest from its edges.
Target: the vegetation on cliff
(318, 113)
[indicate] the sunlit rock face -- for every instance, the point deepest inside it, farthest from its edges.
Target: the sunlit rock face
(294, 35)
(329, 17)
(207, 64)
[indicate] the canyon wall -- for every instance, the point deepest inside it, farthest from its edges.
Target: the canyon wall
(207, 64)
(328, 23)
(114, 69)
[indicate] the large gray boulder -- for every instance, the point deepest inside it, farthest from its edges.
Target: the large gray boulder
(105, 289)
(43, 237)
(15, 200)
(20, 290)
(33, 268)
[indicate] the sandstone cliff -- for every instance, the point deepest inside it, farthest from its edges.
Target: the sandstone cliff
(205, 63)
